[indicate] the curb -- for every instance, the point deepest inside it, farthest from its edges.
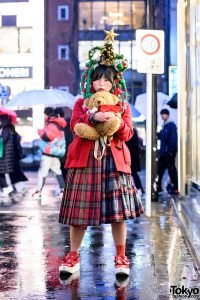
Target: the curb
(192, 248)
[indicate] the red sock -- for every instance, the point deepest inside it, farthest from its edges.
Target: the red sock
(120, 250)
(75, 253)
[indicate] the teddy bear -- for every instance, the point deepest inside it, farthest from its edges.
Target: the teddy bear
(100, 101)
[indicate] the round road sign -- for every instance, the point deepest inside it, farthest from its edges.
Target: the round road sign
(150, 44)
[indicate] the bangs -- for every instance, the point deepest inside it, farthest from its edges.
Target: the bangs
(107, 71)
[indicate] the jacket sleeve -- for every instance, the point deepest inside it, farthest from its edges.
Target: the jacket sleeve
(79, 115)
(125, 131)
(49, 133)
(173, 139)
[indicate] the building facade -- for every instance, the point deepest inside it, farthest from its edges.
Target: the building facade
(61, 45)
(189, 94)
(22, 45)
(192, 38)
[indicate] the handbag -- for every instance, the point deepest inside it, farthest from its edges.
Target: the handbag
(1, 147)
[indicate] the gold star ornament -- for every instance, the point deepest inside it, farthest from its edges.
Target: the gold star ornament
(110, 35)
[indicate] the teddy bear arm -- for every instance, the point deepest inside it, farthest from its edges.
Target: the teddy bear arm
(111, 126)
(86, 132)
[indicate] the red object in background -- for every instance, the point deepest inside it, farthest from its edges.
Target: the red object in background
(10, 113)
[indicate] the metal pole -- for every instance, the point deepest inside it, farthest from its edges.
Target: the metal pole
(153, 116)
(182, 128)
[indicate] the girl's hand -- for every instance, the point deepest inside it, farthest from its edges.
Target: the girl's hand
(103, 116)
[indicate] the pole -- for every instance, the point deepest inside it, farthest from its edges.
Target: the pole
(151, 149)
(182, 103)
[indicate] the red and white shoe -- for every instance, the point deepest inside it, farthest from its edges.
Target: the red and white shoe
(122, 265)
(70, 263)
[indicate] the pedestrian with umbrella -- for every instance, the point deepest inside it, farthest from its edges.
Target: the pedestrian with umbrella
(10, 154)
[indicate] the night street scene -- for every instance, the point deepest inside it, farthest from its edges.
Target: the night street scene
(99, 151)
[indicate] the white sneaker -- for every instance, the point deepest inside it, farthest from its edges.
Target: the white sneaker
(37, 195)
(6, 191)
(21, 188)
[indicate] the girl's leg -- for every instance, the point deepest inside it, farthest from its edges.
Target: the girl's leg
(76, 237)
(71, 263)
(119, 237)
(122, 263)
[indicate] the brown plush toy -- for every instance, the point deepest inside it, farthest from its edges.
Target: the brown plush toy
(100, 101)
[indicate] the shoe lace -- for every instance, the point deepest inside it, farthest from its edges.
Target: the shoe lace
(69, 258)
(122, 260)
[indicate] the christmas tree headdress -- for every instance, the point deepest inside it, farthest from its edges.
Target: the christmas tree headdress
(105, 55)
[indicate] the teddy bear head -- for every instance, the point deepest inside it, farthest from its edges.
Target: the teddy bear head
(101, 98)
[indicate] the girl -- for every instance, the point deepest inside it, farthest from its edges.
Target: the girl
(99, 191)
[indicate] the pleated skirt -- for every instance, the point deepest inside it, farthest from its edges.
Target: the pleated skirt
(99, 194)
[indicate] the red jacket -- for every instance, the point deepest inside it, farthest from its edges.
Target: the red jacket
(78, 151)
(51, 131)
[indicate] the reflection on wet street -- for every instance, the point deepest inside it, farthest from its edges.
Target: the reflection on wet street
(32, 245)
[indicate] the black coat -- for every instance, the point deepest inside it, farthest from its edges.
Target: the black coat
(68, 138)
(7, 162)
(134, 146)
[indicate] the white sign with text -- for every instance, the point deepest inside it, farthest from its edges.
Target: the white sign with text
(150, 51)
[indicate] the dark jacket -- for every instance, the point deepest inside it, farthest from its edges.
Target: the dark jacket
(68, 138)
(134, 145)
(168, 139)
(7, 162)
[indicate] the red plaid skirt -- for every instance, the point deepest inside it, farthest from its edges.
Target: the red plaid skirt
(99, 194)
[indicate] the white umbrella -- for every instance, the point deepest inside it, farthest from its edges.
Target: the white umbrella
(51, 97)
(162, 99)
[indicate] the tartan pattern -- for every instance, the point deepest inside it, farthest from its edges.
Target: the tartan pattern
(98, 194)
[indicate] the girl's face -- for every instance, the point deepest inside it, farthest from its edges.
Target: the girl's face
(102, 84)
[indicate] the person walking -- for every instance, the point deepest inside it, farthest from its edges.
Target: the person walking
(100, 191)
(168, 150)
(7, 162)
(53, 146)
(18, 178)
(10, 161)
(59, 112)
(134, 145)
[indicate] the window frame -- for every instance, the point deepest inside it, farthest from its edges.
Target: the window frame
(60, 48)
(59, 12)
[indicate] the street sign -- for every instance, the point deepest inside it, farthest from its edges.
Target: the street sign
(150, 51)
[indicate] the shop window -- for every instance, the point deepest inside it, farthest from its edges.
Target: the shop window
(85, 20)
(63, 12)
(122, 15)
(138, 14)
(15, 40)
(9, 40)
(25, 40)
(63, 52)
(99, 17)
(9, 20)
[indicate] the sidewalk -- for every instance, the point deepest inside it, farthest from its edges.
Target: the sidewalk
(188, 213)
(32, 244)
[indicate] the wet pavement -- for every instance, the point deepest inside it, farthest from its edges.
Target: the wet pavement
(188, 214)
(32, 244)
